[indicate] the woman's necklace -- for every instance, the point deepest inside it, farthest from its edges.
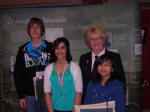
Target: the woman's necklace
(62, 78)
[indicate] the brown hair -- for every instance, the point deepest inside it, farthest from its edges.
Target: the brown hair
(95, 30)
(37, 21)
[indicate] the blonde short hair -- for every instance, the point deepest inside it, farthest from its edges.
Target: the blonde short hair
(95, 30)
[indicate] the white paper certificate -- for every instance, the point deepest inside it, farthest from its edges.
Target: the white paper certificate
(99, 107)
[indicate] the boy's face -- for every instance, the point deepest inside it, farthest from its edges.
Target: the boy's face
(35, 31)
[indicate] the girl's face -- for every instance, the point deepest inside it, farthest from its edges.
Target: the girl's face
(105, 69)
(61, 51)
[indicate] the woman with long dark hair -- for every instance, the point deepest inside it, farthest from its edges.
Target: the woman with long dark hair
(107, 85)
(62, 79)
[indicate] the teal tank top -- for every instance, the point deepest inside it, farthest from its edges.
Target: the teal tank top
(63, 98)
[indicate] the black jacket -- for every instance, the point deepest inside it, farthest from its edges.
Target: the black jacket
(86, 64)
(23, 76)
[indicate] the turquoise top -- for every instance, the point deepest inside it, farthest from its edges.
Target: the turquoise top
(63, 98)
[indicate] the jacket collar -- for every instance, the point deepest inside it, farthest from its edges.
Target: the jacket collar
(25, 46)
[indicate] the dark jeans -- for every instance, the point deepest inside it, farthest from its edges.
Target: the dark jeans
(32, 105)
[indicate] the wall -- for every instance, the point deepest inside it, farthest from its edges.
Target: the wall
(35, 3)
(121, 24)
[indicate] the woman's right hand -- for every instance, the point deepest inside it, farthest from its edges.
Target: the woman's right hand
(22, 103)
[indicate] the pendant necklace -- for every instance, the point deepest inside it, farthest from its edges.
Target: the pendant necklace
(62, 77)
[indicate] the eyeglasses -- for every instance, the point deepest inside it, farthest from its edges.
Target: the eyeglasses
(105, 65)
(96, 39)
(35, 27)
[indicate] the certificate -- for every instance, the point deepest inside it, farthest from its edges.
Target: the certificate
(99, 107)
(38, 85)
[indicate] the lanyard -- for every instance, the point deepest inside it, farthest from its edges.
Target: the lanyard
(58, 75)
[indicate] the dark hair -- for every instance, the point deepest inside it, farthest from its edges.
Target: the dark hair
(114, 74)
(37, 21)
(55, 45)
